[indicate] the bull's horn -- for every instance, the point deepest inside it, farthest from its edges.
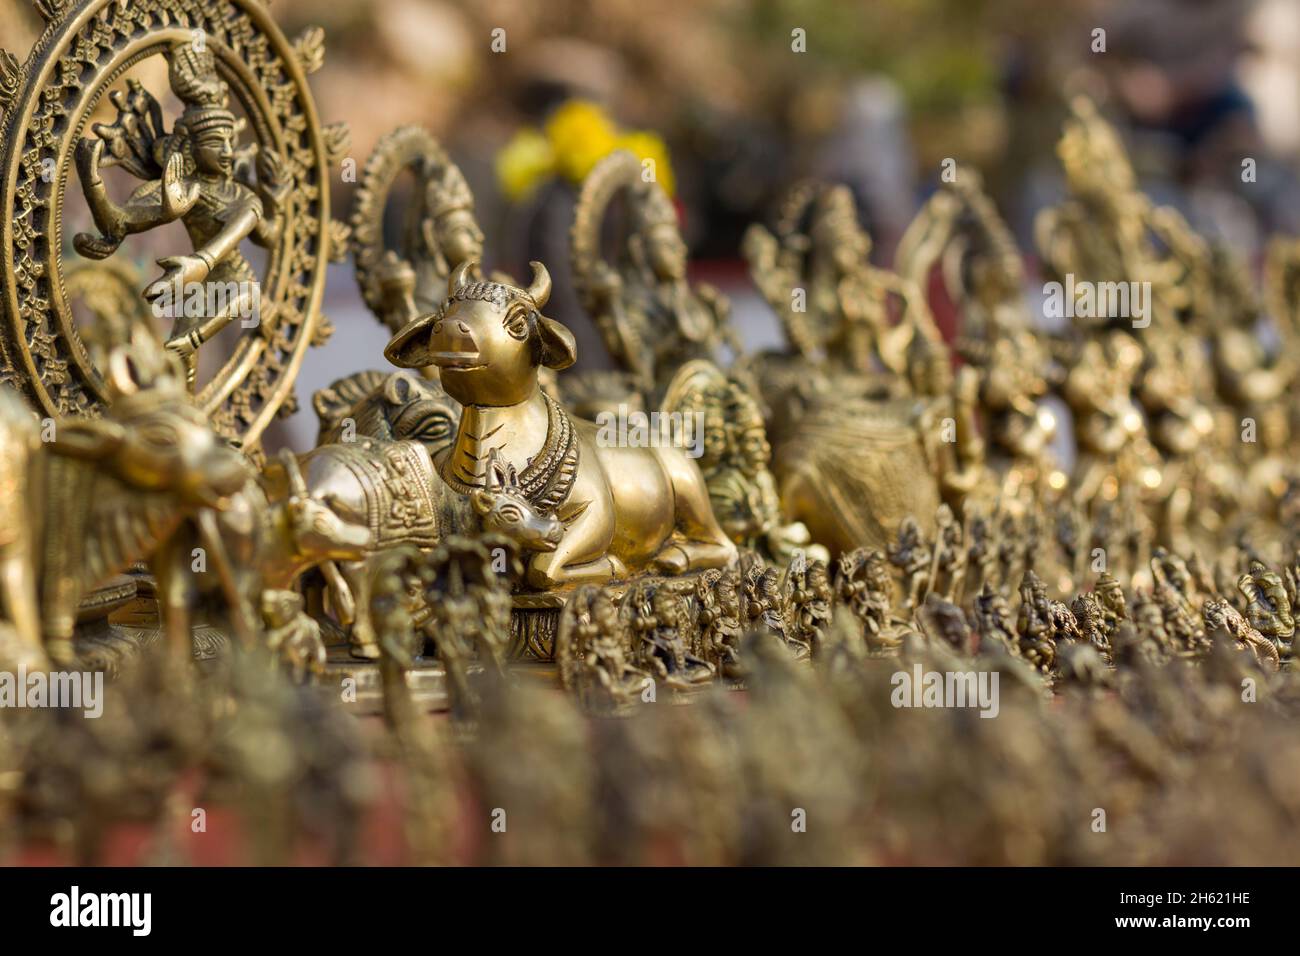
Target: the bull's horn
(540, 288)
(494, 474)
(297, 484)
(460, 275)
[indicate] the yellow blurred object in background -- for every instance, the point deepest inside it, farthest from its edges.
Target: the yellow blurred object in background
(577, 136)
(581, 136)
(650, 146)
(524, 163)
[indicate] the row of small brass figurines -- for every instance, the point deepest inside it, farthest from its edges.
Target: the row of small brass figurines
(859, 435)
(614, 646)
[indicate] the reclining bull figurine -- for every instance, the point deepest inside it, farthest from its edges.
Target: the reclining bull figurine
(623, 509)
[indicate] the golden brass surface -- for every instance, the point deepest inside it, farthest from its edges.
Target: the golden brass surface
(439, 232)
(1103, 515)
(268, 183)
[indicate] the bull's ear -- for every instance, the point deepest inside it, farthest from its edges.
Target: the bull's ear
(559, 349)
(89, 439)
(481, 500)
(409, 348)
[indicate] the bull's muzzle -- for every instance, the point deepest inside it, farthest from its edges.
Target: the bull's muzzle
(452, 345)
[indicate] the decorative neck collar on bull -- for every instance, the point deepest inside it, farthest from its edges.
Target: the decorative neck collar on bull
(546, 479)
(488, 340)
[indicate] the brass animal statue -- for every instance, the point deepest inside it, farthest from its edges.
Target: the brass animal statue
(299, 532)
(624, 509)
(388, 405)
(101, 494)
(391, 489)
(257, 549)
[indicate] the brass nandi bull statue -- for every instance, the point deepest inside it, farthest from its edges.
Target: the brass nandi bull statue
(101, 494)
(623, 509)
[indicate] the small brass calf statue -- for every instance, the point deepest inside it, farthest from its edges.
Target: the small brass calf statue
(623, 509)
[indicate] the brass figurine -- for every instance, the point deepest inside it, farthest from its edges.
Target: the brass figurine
(735, 460)
(272, 189)
(861, 507)
(649, 316)
(623, 509)
(833, 304)
(439, 233)
(190, 175)
(102, 494)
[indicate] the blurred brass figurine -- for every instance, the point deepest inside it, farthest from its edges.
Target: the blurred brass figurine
(649, 315)
(1109, 231)
(591, 656)
(110, 292)
(393, 406)
(735, 461)
(867, 424)
(834, 305)
(439, 233)
(105, 493)
(959, 233)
